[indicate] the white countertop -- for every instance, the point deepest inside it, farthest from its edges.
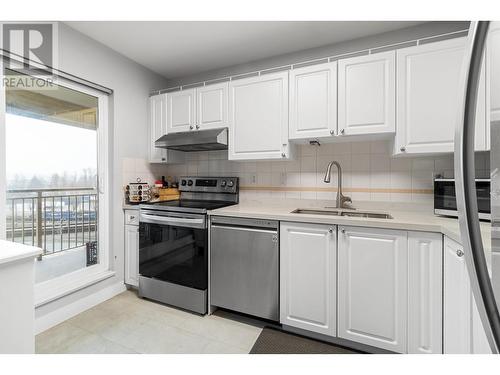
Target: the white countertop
(127, 206)
(11, 251)
(406, 216)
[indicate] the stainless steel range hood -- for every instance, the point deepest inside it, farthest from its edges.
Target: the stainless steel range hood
(200, 140)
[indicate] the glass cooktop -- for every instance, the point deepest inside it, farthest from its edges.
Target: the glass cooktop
(190, 205)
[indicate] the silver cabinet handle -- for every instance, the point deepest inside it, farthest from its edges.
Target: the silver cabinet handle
(132, 217)
(342, 231)
(460, 253)
(163, 159)
(191, 127)
(332, 132)
(330, 230)
(197, 126)
(342, 131)
(402, 149)
(283, 155)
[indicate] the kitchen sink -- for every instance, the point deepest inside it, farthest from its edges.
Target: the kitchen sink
(370, 215)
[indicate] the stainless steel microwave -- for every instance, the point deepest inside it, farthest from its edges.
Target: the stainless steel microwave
(445, 200)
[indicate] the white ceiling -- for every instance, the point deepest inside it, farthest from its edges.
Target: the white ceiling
(176, 49)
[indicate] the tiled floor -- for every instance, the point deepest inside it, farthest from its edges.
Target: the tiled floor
(128, 324)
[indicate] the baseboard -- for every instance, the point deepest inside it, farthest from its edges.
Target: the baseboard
(64, 313)
(337, 341)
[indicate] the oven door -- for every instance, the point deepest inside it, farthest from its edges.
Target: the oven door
(173, 247)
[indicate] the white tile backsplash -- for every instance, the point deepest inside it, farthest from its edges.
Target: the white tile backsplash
(365, 166)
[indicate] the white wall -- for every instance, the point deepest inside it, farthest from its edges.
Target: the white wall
(131, 84)
(425, 30)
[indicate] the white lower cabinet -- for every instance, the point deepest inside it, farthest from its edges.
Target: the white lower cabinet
(132, 255)
(425, 291)
(457, 300)
(372, 287)
(463, 329)
(308, 277)
(406, 292)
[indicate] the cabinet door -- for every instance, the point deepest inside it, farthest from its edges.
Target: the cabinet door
(479, 342)
(428, 85)
(132, 255)
(258, 117)
(157, 127)
(457, 301)
(308, 277)
(372, 287)
(425, 291)
(367, 94)
(181, 111)
(493, 61)
(313, 101)
(211, 104)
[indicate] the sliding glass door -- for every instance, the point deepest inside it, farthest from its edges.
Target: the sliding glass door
(56, 176)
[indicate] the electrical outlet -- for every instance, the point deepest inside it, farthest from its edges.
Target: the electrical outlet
(283, 178)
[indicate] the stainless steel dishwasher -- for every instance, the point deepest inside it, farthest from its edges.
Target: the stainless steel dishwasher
(244, 266)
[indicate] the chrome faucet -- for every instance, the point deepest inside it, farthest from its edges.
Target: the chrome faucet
(341, 198)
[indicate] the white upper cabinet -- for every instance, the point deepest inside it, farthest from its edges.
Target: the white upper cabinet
(372, 287)
(198, 108)
(367, 94)
(308, 277)
(157, 127)
(313, 101)
(428, 85)
(181, 111)
(258, 117)
(425, 291)
(211, 105)
(493, 61)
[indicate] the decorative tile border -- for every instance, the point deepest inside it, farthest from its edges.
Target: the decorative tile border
(334, 189)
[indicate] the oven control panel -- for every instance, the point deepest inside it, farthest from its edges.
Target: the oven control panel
(209, 184)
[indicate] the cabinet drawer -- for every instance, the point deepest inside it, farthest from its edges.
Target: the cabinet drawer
(131, 217)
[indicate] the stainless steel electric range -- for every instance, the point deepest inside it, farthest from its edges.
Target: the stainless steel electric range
(173, 242)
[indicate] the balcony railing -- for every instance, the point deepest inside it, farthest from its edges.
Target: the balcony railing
(52, 219)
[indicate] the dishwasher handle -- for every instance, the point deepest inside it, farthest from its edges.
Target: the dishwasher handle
(246, 228)
(244, 222)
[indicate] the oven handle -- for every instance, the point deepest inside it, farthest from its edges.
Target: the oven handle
(174, 221)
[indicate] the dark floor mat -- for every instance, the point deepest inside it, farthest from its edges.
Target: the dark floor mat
(274, 341)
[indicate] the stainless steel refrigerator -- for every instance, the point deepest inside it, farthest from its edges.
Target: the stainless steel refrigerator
(482, 254)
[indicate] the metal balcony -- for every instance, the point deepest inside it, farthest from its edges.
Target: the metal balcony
(53, 219)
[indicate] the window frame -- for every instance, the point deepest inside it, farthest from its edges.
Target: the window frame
(60, 286)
